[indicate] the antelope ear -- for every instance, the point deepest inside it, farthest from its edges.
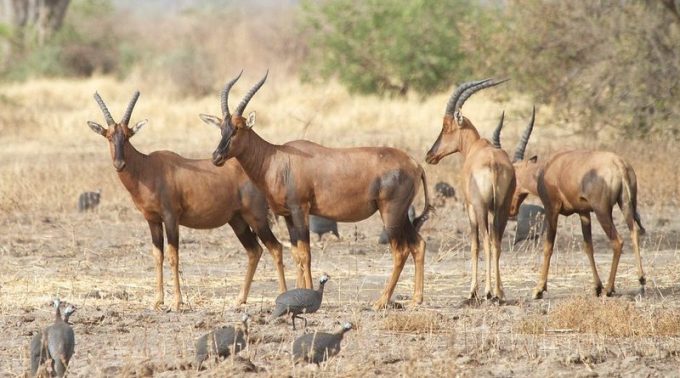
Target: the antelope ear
(533, 159)
(251, 120)
(211, 120)
(97, 128)
(138, 126)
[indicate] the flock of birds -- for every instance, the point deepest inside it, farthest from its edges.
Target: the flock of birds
(52, 347)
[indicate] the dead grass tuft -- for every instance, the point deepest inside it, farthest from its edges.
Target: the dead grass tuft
(606, 317)
(414, 322)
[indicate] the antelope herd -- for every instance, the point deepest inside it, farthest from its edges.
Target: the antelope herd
(249, 177)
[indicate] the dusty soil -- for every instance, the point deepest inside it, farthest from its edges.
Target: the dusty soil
(102, 263)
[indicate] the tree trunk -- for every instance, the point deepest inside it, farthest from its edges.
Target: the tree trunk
(33, 20)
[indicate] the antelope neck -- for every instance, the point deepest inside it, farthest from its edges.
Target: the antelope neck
(256, 157)
(468, 137)
(134, 166)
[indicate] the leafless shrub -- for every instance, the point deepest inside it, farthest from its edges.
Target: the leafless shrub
(603, 64)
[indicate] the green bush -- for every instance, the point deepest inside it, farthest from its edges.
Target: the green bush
(386, 46)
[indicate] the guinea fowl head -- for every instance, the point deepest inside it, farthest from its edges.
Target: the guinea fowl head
(322, 281)
(346, 327)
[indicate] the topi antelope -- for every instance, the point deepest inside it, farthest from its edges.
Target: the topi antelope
(488, 181)
(301, 178)
(171, 191)
(581, 182)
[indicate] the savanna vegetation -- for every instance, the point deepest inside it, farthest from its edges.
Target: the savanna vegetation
(342, 73)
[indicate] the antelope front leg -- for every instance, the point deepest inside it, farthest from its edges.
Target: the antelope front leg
(305, 261)
(293, 233)
(276, 250)
(399, 256)
(548, 245)
(172, 233)
(249, 242)
(157, 241)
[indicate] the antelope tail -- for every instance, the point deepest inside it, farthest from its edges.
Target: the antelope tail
(419, 221)
(496, 206)
(630, 202)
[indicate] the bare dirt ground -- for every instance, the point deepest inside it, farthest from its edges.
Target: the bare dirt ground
(102, 263)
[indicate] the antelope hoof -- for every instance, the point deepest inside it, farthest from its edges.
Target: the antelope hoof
(178, 305)
(643, 282)
(610, 291)
(159, 305)
(240, 301)
(380, 304)
(499, 295)
(538, 293)
(473, 296)
(598, 290)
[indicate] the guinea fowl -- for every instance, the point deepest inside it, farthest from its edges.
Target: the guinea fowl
(217, 342)
(321, 225)
(56, 342)
(299, 301)
(319, 346)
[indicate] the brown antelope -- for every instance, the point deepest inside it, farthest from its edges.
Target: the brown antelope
(301, 178)
(580, 181)
(488, 181)
(171, 190)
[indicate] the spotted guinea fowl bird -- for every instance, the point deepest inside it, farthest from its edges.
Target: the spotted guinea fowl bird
(319, 346)
(299, 301)
(89, 200)
(56, 343)
(218, 342)
(320, 225)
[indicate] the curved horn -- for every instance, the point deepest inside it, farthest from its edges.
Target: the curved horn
(128, 111)
(105, 110)
(496, 137)
(225, 95)
(242, 106)
(472, 90)
(454, 96)
(522, 145)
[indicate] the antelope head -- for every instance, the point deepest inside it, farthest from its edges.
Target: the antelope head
(117, 133)
(234, 127)
(454, 126)
(526, 171)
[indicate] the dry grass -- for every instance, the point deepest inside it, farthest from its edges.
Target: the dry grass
(414, 322)
(49, 155)
(608, 317)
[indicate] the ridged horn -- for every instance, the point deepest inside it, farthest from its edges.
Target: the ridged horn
(474, 89)
(225, 95)
(522, 145)
(242, 106)
(496, 137)
(128, 111)
(105, 110)
(454, 96)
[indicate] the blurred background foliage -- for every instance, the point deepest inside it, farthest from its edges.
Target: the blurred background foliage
(605, 66)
